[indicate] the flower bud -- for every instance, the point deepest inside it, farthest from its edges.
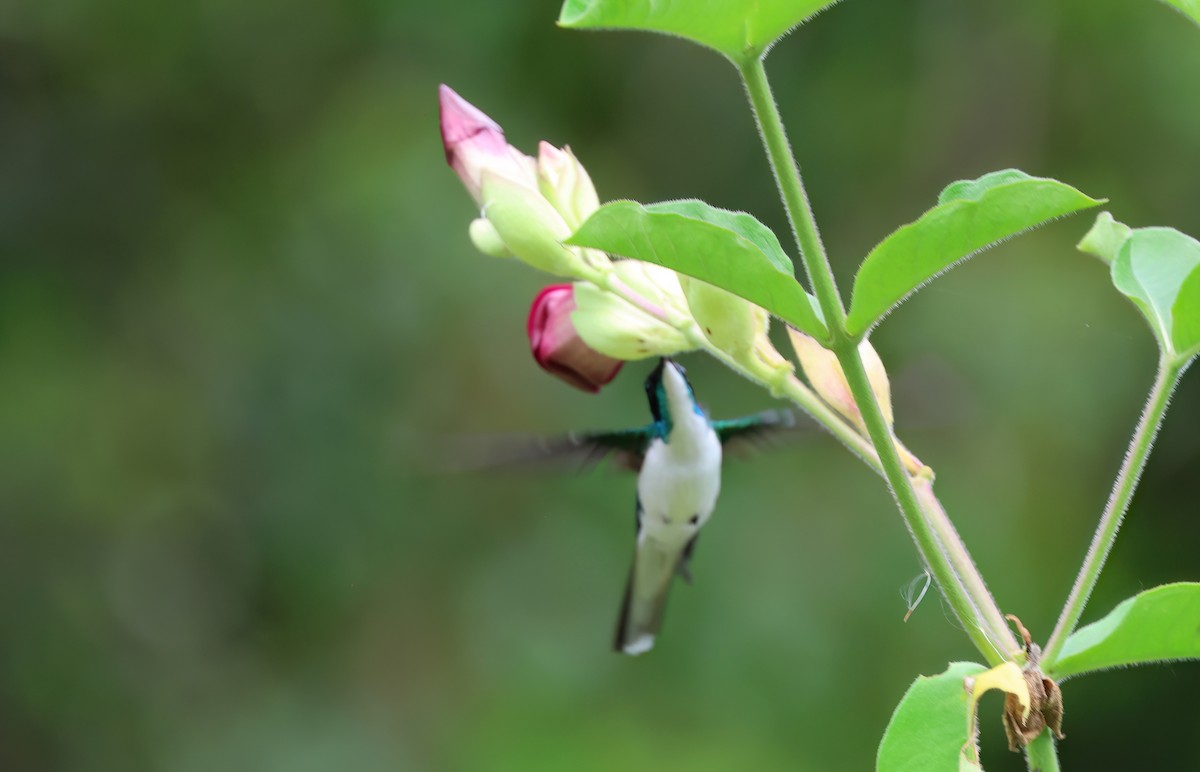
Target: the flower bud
(485, 238)
(733, 324)
(566, 184)
(557, 346)
(475, 144)
(529, 226)
(825, 375)
(529, 207)
(614, 326)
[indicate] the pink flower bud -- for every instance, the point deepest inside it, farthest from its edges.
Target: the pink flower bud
(558, 348)
(474, 143)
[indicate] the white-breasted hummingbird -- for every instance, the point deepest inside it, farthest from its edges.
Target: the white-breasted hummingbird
(678, 458)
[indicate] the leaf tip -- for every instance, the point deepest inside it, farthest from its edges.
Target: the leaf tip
(573, 12)
(1104, 238)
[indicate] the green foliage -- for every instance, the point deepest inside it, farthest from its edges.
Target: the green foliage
(1105, 238)
(739, 29)
(1189, 8)
(1153, 626)
(929, 727)
(971, 215)
(218, 387)
(1152, 267)
(730, 250)
(1185, 330)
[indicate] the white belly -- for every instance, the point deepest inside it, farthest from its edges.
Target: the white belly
(678, 488)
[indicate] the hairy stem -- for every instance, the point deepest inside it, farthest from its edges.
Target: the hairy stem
(1114, 510)
(972, 604)
(1041, 755)
(998, 631)
(976, 622)
(791, 190)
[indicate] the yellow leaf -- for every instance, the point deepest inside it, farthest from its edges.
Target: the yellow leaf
(1007, 677)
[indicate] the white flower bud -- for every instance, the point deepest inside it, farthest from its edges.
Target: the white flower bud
(619, 329)
(566, 184)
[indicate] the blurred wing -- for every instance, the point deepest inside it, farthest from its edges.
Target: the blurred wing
(760, 431)
(577, 451)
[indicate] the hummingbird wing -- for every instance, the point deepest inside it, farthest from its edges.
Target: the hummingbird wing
(577, 451)
(627, 447)
(654, 566)
(756, 432)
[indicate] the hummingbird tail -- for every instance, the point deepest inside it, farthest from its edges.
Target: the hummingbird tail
(645, 599)
(639, 622)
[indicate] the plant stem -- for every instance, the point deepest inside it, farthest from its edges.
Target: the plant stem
(952, 544)
(1114, 511)
(791, 190)
(978, 626)
(972, 604)
(1041, 755)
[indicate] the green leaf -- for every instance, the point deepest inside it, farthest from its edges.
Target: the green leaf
(739, 29)
(1153, 626)
(1189, 8)
(971, 215)
(1150, 269)
(1185, 330)
(730, 250)
(972, 190)
(743, 224)
(929, 727)
(1105, 238)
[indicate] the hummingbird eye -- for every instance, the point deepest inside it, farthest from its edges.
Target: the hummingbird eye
(695, 520)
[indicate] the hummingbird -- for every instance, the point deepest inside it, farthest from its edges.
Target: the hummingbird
(678, 457)
(677, 489)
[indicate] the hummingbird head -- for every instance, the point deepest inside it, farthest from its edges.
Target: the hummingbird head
(670, 393)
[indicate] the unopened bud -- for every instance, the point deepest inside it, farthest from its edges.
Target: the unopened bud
(731, 323)
(557, 346)
(827, 378)
(529, 226)
(529, 207)
(475, 144)
(616, 327)
(485, 238)
(566, 184)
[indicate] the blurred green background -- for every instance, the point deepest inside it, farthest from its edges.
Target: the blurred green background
(238, 304)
